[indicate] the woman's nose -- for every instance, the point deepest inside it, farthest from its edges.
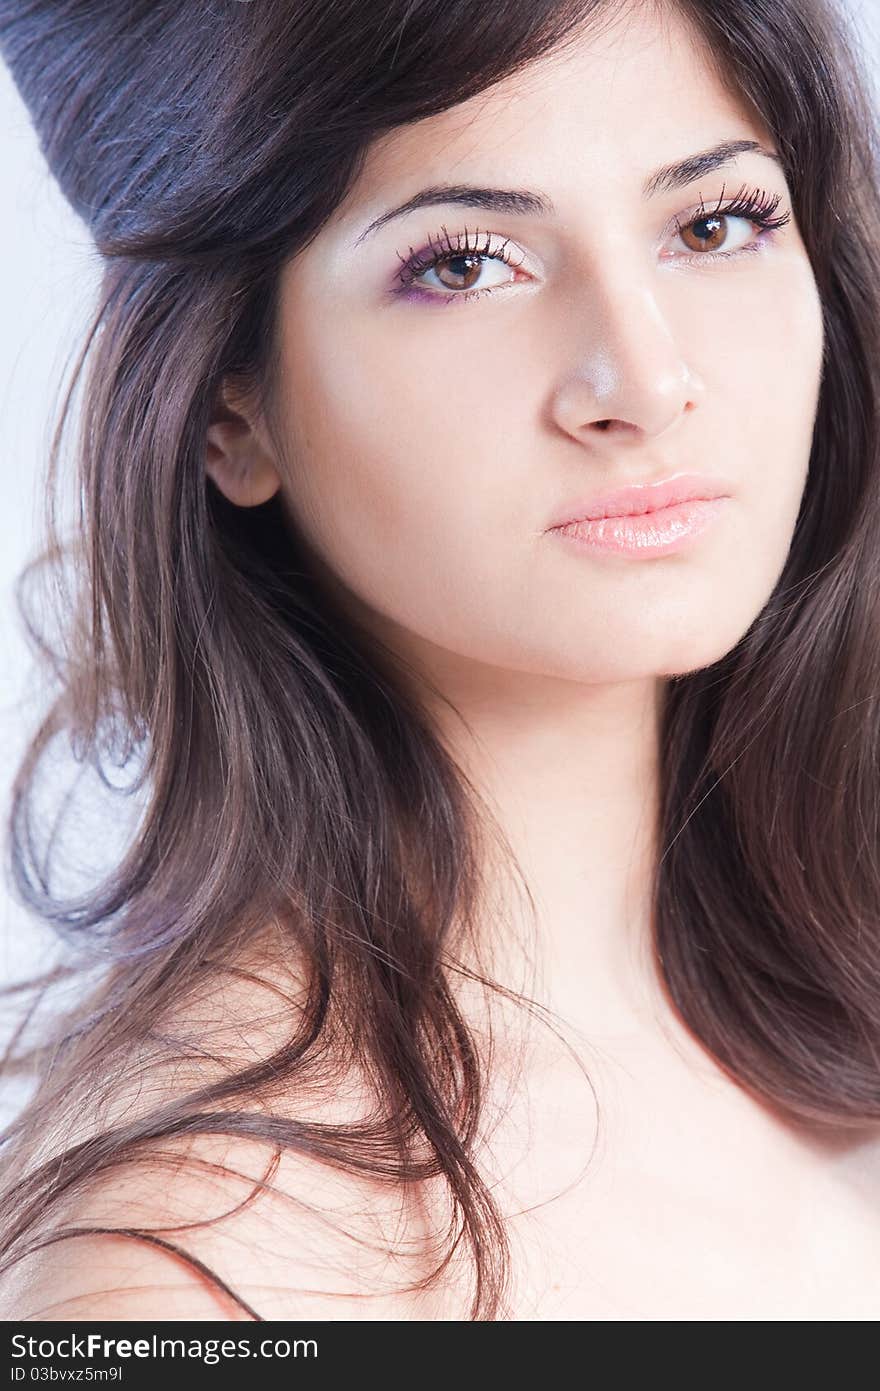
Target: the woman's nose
(627, 373)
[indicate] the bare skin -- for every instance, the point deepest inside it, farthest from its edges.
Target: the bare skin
(698, 1203)
(424, 450)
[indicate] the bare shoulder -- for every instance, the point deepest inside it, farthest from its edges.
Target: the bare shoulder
(138, 1242)
(225, 1225)
(110, 1277)
(222, 1227)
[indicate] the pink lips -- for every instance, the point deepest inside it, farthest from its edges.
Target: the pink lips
(638, 498)
(645, 519)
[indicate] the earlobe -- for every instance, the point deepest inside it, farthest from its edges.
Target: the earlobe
(238, 462)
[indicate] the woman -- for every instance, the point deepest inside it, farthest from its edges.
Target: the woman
(499, 936)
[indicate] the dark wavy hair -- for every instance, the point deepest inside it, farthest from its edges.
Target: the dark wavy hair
(287, 769)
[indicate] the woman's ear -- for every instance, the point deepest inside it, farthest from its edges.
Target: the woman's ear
(238, 457)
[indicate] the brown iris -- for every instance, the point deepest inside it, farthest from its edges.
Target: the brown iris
(713, 238)
(473, 264)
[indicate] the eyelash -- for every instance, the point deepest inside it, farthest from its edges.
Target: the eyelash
(756, 206)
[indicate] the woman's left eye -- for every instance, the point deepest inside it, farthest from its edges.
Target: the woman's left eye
(458, 265)
(713, 235)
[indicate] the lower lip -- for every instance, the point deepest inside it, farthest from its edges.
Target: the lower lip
(650, 533)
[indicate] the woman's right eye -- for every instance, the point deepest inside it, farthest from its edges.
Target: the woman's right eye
(457, 266)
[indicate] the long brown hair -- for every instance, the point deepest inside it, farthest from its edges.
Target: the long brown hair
(285, 769)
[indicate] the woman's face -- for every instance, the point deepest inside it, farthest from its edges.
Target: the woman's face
(431, 438)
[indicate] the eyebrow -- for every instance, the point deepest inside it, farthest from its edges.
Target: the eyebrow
(527, 202)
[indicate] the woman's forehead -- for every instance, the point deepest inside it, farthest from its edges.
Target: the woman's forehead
(616, 105)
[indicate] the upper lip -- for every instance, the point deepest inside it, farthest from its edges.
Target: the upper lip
(638, 498)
